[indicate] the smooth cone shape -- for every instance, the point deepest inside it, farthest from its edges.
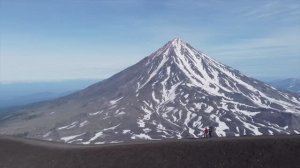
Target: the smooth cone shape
(175, 92)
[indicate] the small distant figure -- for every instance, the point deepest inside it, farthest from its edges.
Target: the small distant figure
(205, 133)
(210, 131)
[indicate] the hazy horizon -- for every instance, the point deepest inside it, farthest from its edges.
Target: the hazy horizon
(264, 79)
(69, 40)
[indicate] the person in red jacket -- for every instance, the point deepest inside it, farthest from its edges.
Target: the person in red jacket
(205, 132)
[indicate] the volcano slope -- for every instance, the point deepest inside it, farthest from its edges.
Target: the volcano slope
(235, 152)
(173, 93)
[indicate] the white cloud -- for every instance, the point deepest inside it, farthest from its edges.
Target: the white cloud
(274, 9)
(287, 42)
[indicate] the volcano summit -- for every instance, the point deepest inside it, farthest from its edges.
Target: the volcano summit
(175, 92)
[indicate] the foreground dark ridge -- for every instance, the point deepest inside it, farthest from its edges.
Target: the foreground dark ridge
(262, 151)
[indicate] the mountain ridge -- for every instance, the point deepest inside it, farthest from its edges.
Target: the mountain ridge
(231, 152)
(289, 84)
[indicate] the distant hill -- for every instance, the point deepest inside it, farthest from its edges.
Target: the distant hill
(290, 84)
(16, 94)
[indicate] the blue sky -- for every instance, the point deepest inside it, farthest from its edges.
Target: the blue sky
(44, 40)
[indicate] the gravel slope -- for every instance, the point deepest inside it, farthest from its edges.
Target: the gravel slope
(260, 151)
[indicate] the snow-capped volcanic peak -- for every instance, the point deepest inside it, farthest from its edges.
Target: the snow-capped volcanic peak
(177, 42)
(173, 93)
(199, 70)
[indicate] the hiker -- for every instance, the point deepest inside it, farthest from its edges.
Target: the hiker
(210, 130)
(205, 132)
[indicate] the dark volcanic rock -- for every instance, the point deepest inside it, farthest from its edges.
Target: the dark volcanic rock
(246, 152)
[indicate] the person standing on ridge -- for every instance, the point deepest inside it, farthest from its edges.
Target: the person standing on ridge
(210, 130)
(205, 132)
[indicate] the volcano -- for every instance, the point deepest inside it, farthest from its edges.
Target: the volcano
(175, 92)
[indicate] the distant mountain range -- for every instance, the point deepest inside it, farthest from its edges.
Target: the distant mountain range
(175, 92)
(16, 94)
(290, 84)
